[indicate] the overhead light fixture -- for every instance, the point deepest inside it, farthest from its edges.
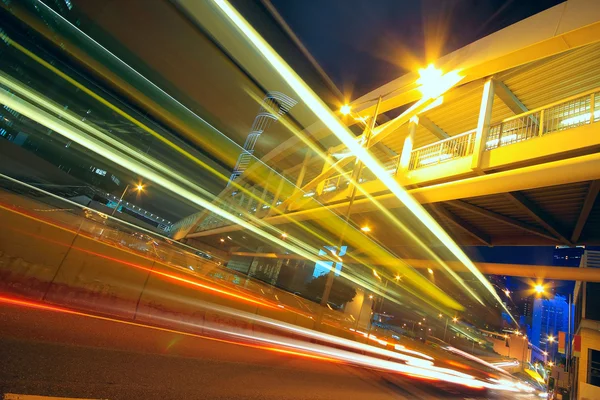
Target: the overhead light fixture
(346, 109)
(433, 82)
(365, 229)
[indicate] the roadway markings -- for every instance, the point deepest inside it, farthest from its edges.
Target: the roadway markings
(13, 396)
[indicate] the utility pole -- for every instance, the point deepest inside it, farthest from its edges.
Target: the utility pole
(120, 200)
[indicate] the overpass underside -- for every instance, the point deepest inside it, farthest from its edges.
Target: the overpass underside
(511, 159)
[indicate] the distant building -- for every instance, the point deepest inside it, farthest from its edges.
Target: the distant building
(566, 256)
(585, 345)
(550, 316)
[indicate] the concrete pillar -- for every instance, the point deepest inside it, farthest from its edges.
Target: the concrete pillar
(408, 144)
(483, 124)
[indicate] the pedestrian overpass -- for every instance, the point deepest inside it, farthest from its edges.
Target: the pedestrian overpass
(508, 156)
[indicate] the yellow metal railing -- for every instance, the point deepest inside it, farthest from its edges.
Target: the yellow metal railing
(448, 149)
(581, 109)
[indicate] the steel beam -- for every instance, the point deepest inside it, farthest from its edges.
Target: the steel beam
(571, 170)
(523, 270)
(588, 203)
(537, 214)
(461, 224)
(509, 98)
(501, 218)
(433, 128)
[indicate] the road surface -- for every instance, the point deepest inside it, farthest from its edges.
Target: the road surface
(55, 354)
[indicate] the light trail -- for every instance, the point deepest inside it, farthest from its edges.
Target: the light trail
(125, 115)
(173, 277)
(423, 284)
(418, 280)
(293, 347)
(336, 127)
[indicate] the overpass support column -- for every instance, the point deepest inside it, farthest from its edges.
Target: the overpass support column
(326, 166)
(300, 178)
(483, 124)
(409, 141)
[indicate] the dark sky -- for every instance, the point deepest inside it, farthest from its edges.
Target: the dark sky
(362, 44)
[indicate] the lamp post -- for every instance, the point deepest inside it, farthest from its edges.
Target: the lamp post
(139, 188)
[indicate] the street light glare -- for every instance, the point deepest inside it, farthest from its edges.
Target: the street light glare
(454, 319)
(551, 339)
(139, 187)
(365, 229)
(430, 271)
(345, 110)
(433, 82)
(539, 289)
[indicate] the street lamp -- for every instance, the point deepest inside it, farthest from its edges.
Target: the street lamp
(345, 110)
(551, 339)
(433, 82)
(139, 188)
(455, 320)
(365, 229)
(539, 288)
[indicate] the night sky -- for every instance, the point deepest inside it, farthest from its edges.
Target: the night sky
(362, 44)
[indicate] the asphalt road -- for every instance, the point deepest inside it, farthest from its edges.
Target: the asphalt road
(55, 354)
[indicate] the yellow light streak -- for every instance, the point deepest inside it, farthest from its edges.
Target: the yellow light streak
(321, 110)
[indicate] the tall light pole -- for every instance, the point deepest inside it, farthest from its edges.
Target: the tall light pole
(139, 188)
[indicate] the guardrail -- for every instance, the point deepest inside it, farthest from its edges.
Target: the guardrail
(57, 250)
(445, 150)
(581, 109)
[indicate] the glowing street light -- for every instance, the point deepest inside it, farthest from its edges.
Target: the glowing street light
(507, 292)
(346, 109)
(139, 188)
(430, 271)
(284, 235)
(365, 229)
(455, 320)
(433, 82)
(440, 315)
(222, 240)
(550, 364)
(371, 297)
(539, 289)
(398, 278)
(551, 339)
